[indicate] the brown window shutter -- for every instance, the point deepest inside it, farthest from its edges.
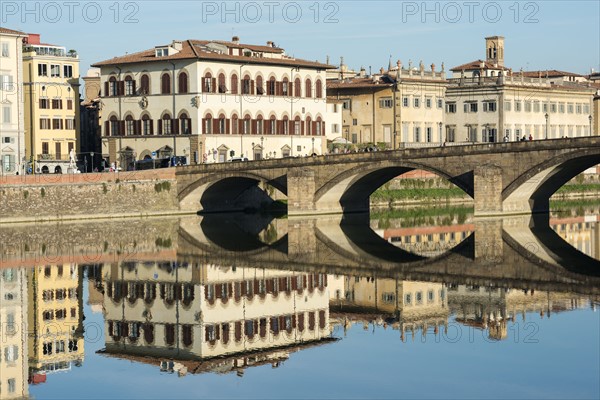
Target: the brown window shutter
(175, 125)
(253, 127)
(121, 88)
(138, 127)
(228, 126)
(151, 126)
(134, 85)
(256, 286)
(121, 127)
(106, 92)
(106, 128)
(251, 86)
(204, 125)
(214, 85)
(160, 126)
(291, 126)
(238, 331)
(204, 84)
(190, 125)
(215, 127)
(323, 125)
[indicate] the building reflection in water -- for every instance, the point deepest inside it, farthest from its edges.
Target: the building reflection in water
(55, 318)
(13, 323)
(197, 318)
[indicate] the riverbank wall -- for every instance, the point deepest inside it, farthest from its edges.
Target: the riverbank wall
(33, 198)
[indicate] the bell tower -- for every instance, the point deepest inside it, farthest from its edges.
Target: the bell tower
(494, 50)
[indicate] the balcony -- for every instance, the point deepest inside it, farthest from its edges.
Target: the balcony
(50, 51)
(53, 157)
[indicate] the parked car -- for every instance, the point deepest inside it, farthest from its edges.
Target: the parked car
(238, 159)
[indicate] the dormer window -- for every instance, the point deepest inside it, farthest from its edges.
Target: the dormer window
(162, 52)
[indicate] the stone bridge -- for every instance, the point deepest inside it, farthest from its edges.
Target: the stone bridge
(502, 178)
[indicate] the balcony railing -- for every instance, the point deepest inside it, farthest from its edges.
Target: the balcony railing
(53, 157)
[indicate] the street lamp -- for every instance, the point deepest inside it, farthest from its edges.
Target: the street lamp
(313, 146)
(92, 159)
(591, 131)
(546, 116)
(441, 124)
(262, 149)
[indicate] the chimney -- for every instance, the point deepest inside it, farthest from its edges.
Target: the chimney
(177, 45)
(33, 38)
(235, 40)
(269, 44)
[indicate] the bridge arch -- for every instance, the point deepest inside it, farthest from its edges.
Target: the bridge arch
(228, 191)
(531, 191)
(350, 190)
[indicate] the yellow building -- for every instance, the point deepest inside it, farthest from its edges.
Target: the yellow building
(13, 327)
(55, 318)
(51, 84)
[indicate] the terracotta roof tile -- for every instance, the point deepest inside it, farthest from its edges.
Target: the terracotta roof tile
(477, 65)
(191, 50)
(552, 73)
(11, 32)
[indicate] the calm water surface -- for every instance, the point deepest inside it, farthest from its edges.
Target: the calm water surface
(424, 303)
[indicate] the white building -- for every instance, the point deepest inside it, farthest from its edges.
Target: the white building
(487, 102)
(12, 125)
(210, 101)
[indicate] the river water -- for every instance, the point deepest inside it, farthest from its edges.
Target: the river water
(418, 303)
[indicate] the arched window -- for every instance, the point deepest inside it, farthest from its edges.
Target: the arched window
(207, 123)
(222, 84)
(285, 87)
(112, 88)
(297, 126)
(165, 84)
(185, 124)
(272, 125)
(208, 83)
(271, 86)
(308, 89)
(247, 85)
(145, 84)
(222, 124)
(246, 125)
(147, 126)
(260, 90)
(319, 127)
(297, 87)
(165, 125)
(286, 125)
(129, 86)
(129, 126)
(319, 89)
(234, 84)
(308, 126)
(114, 126)
(234, 124)
(183, 83)
(260, 128)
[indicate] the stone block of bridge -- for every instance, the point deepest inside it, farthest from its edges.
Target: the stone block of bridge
(487, 190)
(489, 246)
(301, 186)
(302, 241)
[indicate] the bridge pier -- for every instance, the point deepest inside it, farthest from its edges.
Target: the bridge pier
(488, 241)
(487, 190)
(301, 190)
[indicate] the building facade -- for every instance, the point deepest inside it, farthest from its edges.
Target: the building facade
(487, 102)
(13, 323)
(55, 318)
(210, 101)
(90, 141)
(403, 106)
(12, 124)
(51, 105)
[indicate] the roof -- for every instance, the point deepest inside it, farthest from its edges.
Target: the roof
(11, 32)
(351, 83)
(551, 73)
(477, 65)
(192, 50)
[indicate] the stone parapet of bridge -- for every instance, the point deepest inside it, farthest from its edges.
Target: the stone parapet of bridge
(502, 178)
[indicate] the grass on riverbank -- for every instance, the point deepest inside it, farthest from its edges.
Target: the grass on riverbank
(426, 194)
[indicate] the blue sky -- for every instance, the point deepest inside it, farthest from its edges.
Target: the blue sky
(539, 35)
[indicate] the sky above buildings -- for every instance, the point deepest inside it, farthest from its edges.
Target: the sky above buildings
(563, 35)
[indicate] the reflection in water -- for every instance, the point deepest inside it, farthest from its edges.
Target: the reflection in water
(171, 296)
(197, 318)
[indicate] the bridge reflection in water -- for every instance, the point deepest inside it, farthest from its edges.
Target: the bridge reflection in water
(224, 293)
